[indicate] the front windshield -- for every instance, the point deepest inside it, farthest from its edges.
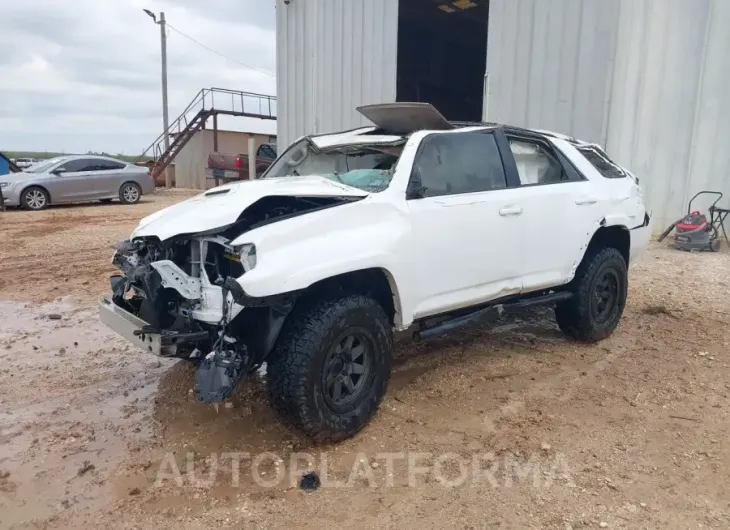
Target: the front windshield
(369, 168)
(44, 166)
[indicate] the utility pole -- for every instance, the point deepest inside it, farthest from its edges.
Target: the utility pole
(165, 114)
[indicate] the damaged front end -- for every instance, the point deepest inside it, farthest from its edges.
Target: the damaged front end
(180, 298)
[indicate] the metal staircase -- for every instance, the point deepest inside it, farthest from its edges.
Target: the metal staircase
(209, 102)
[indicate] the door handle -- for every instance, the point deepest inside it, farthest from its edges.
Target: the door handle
(510, 210)
(586, 200)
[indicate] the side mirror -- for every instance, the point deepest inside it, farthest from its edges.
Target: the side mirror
(59, 170)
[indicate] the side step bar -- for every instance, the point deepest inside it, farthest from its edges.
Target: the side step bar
(492, 311)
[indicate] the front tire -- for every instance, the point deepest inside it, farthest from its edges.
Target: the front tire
(35, 198)
(330, 367)
(599, 297)
(130, 193)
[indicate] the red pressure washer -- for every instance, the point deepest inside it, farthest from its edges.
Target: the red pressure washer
(695, 232)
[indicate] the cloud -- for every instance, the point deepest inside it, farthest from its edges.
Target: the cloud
(85, 75)
(257, 13)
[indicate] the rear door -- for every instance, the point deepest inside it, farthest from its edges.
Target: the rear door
(108, 176)
(465, 243)
(561, 211)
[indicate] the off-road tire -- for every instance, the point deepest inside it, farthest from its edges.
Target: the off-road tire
(576, 317)
(127, 195)
(296, 367)
(34, 198)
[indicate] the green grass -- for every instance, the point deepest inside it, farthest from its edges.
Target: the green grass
(43, 155)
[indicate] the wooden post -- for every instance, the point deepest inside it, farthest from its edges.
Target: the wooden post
(215, 132)
(251, 157)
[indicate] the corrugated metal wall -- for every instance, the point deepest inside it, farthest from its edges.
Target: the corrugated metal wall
(648, 79)
(669, 109)
(549, 64)
(333, 55)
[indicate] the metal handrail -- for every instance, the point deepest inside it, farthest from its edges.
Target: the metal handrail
(259, 105)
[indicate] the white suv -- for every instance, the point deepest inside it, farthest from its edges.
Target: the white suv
(25, 163)
(415, 223)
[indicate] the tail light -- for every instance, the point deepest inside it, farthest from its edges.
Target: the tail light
(239, 162)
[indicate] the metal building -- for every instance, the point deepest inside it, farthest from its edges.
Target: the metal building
(644, 78)
(192, 160)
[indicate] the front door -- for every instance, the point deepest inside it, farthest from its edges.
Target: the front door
(75, 181)
(466, 224)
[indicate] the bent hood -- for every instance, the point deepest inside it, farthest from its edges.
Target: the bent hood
(223, 205)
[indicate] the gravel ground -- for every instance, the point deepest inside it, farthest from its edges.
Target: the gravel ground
(505, 426)
(65, 251)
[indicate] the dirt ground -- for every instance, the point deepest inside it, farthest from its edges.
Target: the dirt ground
(505, 426)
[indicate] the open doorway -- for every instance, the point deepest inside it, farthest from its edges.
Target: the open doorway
(442, 55)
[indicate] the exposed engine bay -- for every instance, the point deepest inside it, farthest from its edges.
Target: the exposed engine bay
(186, 291)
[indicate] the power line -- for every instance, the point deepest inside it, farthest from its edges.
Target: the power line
(219, 53)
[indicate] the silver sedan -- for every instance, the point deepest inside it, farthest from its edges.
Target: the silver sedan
(76, 178)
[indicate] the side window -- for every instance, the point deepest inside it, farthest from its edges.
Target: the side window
(266, 151)
(536, 164)
(455, 163)
(80, 164)
(602, 163)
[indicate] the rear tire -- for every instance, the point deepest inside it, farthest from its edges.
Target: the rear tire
(599, 297)
(130, 193)
(330, 367)
(35, 198)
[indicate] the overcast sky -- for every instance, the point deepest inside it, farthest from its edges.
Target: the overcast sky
(81, 75)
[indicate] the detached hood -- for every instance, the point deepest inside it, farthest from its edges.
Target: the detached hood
(223, 205)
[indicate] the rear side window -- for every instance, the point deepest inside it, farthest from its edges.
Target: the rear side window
(539, 164)
(602, 163)
(106, 165)
(456, 163)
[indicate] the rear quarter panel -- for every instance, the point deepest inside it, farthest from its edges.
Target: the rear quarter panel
(141, 177)
(640, 237)
(621, 199)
